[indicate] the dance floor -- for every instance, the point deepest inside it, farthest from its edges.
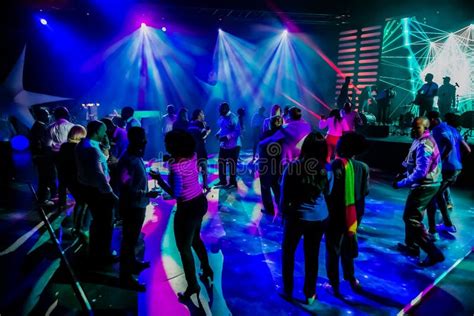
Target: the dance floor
(244, 249)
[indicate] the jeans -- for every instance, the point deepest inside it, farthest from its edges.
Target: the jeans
(439, 201)
(269, 183)
(230, 157)
(187, 231)
(46, 177)
(415, 232)
(312, 232)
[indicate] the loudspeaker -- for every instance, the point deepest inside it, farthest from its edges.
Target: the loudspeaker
(377, 131)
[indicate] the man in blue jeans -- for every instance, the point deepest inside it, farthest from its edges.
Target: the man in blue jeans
(423, 177)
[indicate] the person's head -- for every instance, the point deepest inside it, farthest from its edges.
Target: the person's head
(295, 113)
(351, 144)
(276, 110)
(61, 113)
(314, 147)
(109, 124)
(261, 110)
(96, 130)
(429, 77)
(276, 122)
(170, 109)
(224, 108)
(118, 121)
(183, 114)
(434, 117)
(180, 144)
(241, 112)
(336, 114)
(136, 140)
(127, 112)
(198, 115)
(419, 126)
(42, 115)
(347, 107)
(446, 80)
(76, 133)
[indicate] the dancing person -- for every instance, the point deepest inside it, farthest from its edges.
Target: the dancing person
(256, 124)
(275, 111)
(352, 118)
(183, 185)
(182, 121)
(366, 99)
(134, 197)
(269, 167)
(336, 127)
(343, 96)
(127, 116)
(58, 132)
(304, 212)
(449, 142)
(117, 137)
(425, 95)
(199, 129)
(68, 171)
(42, 157)
(349, 180)
(290, 136)
(423, 177)
(446, 96)
(286, 114)
(229, 145)
(93, 176)
(384, 100)
(168, 119)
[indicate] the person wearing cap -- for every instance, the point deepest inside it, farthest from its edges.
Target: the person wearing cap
(446, 96)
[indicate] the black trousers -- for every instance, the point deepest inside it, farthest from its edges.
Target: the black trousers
(425, 107)
(46, 177)
(187, 231)
(338, 246)
(228, 157)
(439, 201)
(382, 114)
(415, 232)
(269, 183)
(101, 207)
(312, 233)
(62, 192)
(133, 218)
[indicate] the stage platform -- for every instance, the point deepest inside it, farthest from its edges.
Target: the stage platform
(244, 249)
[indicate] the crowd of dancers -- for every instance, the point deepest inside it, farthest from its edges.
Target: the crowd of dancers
(313, 181)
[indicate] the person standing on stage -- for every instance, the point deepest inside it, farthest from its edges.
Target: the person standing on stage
(182, 121)
(446, 96)
(127, 116)
(449, 142)
(344, 93)
(426, 94)
(199, 129)
(352, 118)
(230, 143)
(384, 100)
(349, 185)
(168, 119)
(423, 177)
(134, 197)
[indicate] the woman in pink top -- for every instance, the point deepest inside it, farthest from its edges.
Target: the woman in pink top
(336, 127)
(183, 185)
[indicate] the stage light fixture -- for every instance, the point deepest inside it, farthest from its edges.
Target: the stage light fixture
(43, 21)
(143, 25)
(164, 29)
(284, 33)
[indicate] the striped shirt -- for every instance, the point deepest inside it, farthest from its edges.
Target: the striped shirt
(184, 179)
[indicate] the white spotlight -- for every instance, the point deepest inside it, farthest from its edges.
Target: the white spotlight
(164, 29)
(143, 25)
(284, 33)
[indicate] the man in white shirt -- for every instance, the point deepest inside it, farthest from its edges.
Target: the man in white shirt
(93, 175)
(57, 133)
